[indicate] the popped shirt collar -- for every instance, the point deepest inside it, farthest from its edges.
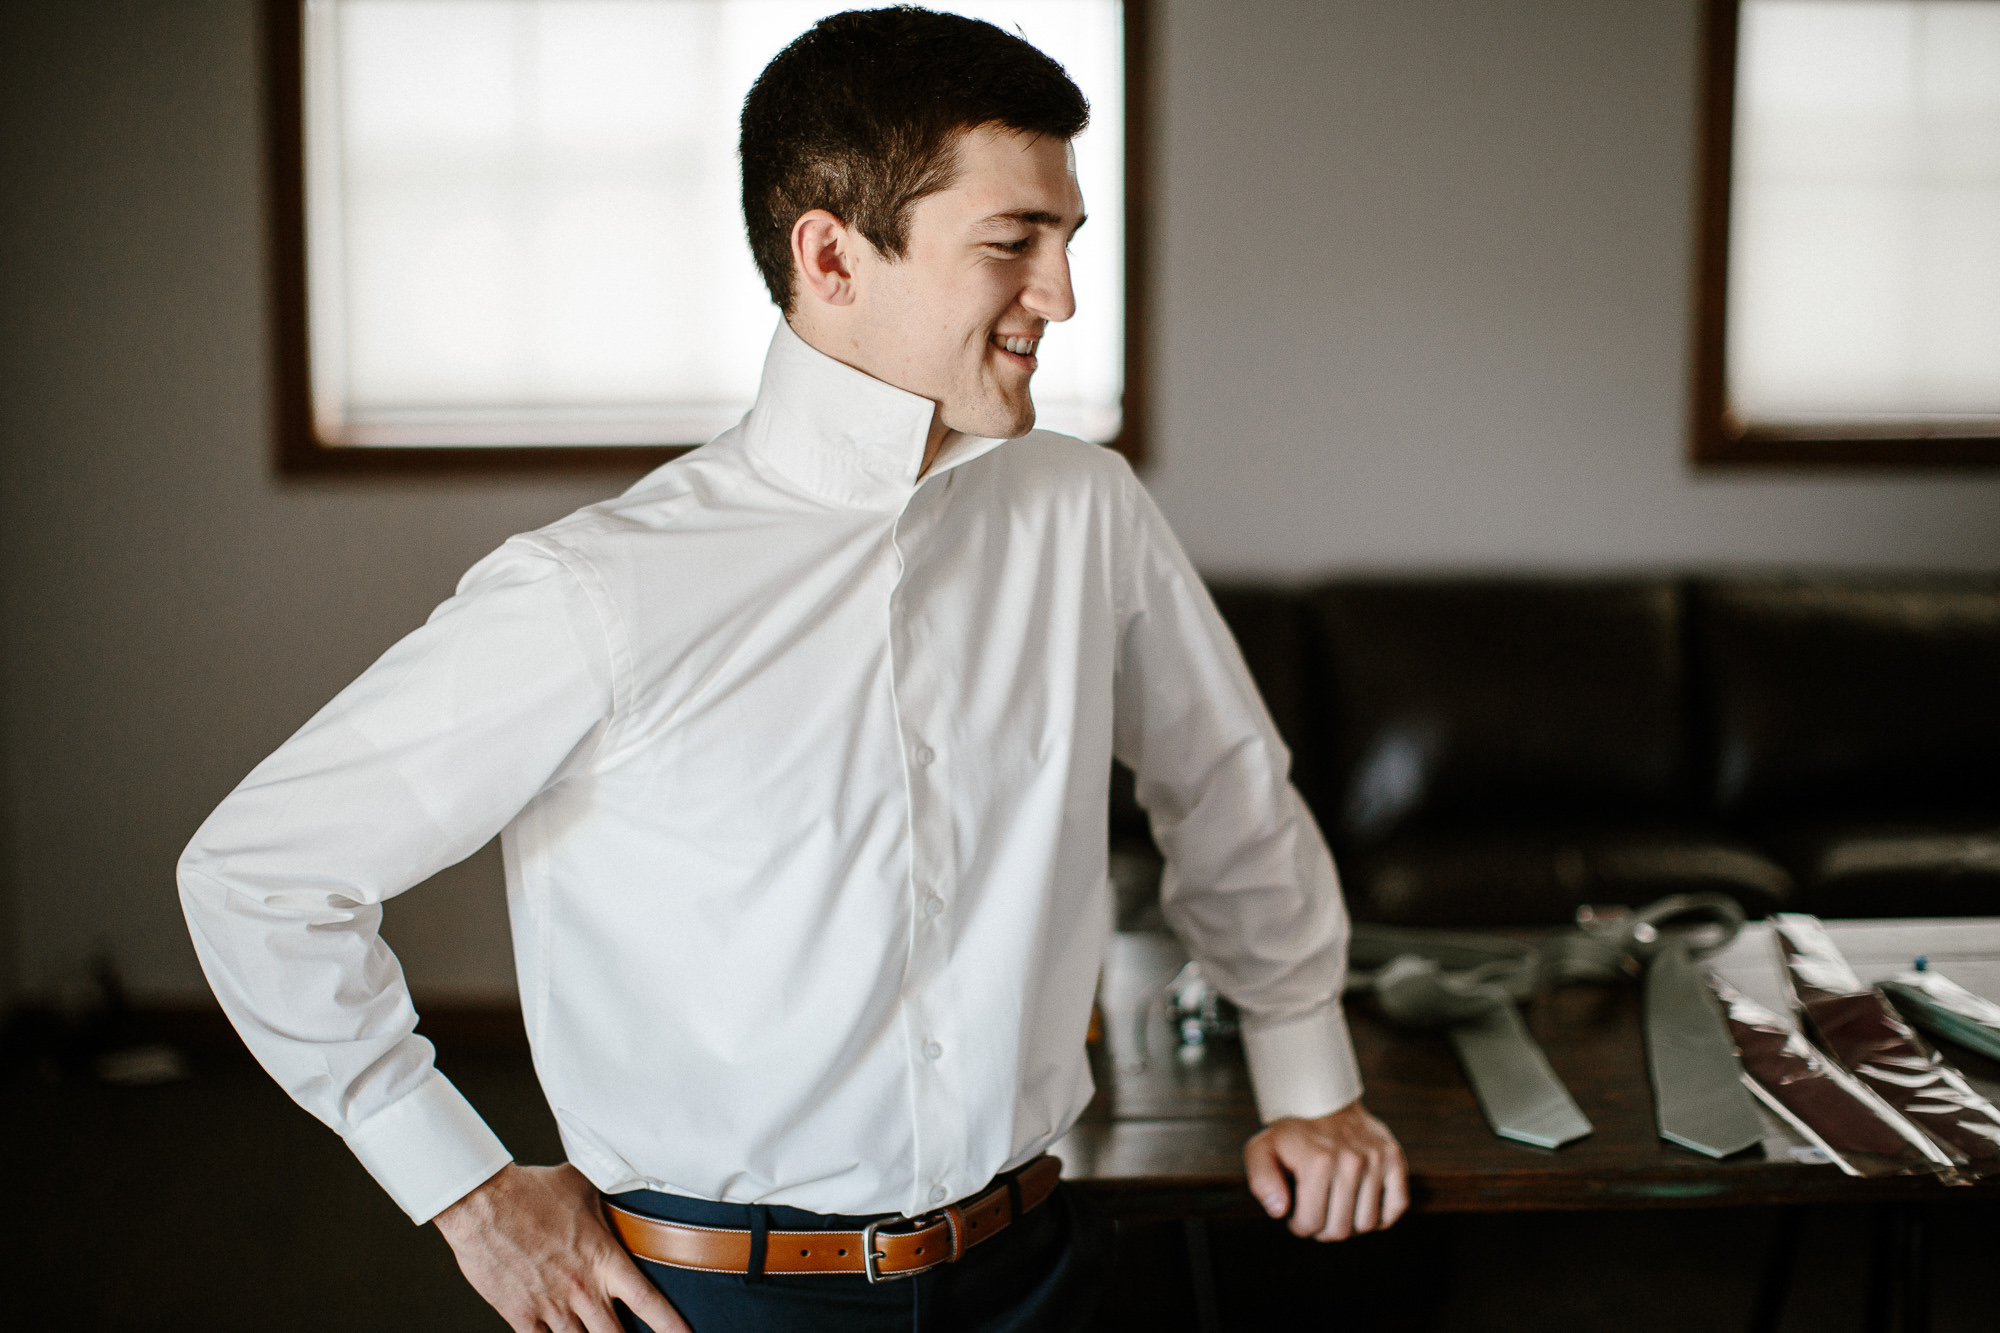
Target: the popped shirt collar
(846, 436)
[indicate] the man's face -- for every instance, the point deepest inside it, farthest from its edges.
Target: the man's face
(959, 317)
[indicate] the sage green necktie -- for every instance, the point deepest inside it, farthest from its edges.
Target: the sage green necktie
(1519, 1094)
(1699, 1100)
(1469, 984)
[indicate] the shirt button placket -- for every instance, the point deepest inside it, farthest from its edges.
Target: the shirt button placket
(922, 715)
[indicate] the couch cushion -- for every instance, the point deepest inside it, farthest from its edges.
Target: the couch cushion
(1876, 697)
(1528, 876)
(1444, 700)
(1876, 870)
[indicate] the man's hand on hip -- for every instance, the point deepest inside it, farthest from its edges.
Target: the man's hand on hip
(1347, 1167)
(533, 1242)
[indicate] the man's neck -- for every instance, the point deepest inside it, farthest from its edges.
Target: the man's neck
(939, 432)
(934, 443)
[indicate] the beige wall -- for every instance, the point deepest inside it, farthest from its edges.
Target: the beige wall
(1426, 267)
(1423, 267)
(173, 608)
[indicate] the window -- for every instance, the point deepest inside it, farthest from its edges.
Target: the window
(509, 231)
(1848, 305)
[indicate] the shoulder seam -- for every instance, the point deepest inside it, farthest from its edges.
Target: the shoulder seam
(617, 642)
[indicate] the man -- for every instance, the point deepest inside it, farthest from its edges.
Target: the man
(799, 754)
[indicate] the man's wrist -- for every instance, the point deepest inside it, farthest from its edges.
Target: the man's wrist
(474, 1207)
(1349, 1109)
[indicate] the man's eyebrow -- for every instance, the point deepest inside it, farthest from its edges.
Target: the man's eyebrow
(1033, 217)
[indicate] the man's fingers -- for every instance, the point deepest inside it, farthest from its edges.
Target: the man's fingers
(1395, 1189)
(1267, 1178)
(643, 1299)
(1346, 1172)
(1314, 1177)
(599, 1317)
(1340, 1197)
(1368, 1197)
(1340, 1175)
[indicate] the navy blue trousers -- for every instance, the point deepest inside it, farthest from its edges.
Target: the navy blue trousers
(1041, 1275)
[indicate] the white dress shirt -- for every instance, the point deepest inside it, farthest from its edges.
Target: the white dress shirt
(800, 766)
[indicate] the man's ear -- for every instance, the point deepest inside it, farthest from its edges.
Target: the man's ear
(822, 257)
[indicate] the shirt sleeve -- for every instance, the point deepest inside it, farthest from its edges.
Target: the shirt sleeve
(1249, 884)
(413, 767)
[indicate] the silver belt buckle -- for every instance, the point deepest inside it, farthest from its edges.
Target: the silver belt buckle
(871, 1261)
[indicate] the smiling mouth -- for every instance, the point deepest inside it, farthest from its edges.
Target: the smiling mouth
(1021, 347)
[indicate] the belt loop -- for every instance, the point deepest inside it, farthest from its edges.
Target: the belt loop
(1013, 1196)
(954, 1221)
(760, 1240)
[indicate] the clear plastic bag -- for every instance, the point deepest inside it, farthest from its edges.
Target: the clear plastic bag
(1943, 1008)
(1860, 1029)
(1834, 1110)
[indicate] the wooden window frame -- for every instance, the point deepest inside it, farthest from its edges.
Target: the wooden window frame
(1717, 440)
(299, 450)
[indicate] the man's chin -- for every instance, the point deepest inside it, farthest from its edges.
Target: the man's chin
(995, 421)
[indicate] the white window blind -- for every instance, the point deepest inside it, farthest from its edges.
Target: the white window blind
(523, 223)
(1864, 259)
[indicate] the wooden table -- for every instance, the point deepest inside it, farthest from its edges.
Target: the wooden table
(1163, 1138)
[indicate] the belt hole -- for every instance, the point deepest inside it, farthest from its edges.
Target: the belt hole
(920, 1249)
(843, 1254)
(804, 1253)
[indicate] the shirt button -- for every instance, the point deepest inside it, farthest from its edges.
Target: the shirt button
(937, 1194)
(932, 1050)
(933, 905)
(924, 756)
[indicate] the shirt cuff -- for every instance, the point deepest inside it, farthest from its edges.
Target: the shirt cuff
(429, 1150)
(1302, 1067)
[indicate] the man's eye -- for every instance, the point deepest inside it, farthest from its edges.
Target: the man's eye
(1019, 247)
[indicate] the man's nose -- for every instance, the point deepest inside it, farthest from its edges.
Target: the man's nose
(1049, 294)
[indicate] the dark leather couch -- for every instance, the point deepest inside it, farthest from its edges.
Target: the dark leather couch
(1491, 751)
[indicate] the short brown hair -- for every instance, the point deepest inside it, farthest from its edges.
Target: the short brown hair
(861, 116)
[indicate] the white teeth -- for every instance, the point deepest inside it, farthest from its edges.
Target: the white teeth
(1019, 346)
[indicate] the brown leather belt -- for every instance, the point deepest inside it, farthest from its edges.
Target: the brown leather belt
(875, 1252)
